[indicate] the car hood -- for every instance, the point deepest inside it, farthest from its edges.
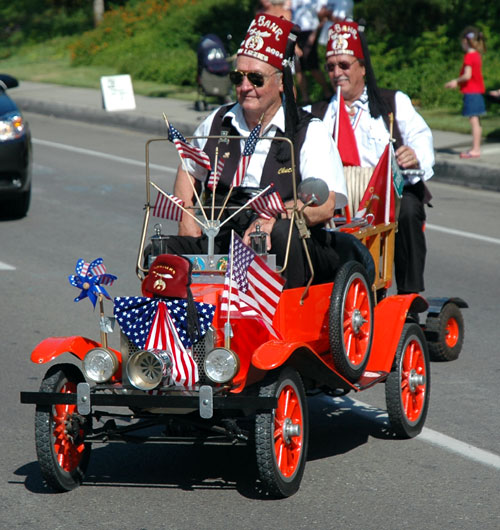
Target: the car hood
(6, 104)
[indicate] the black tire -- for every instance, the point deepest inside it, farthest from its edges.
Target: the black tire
(197, 105)
(448, 327)
(17, 207)
(351, 320)
(281, 436)
(407, 388)
(60, 432)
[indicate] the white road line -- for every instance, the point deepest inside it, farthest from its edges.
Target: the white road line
(6, 267)
(461, 448)
(433, 437)
(107, 156)
(461, 233)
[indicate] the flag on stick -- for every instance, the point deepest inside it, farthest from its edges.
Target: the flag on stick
(188, 151)
(251, 288)
(214, 177)
(377, 204)
(344, 135)
(269, 205)
(167, 207)
(248, 150)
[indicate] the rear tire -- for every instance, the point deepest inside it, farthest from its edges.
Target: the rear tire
(281, 436)
(448, 326)
(60, 432)
(351, 321)
(407, 387)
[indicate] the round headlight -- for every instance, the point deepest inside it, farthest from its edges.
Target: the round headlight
(221, 365)
(99, 365)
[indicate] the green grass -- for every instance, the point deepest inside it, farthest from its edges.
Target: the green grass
(50, 63)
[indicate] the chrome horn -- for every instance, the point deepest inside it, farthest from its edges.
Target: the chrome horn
(147, 368)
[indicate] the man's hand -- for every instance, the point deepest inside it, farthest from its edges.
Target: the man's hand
(407, 158)
(266, 226)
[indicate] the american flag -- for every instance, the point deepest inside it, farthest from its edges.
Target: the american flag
(135, 315)
(168, 208)
(89, 278)
(214, 177)
(163, 336)
(269, 205)
(255, 288)
(248, 151)
(186, 150)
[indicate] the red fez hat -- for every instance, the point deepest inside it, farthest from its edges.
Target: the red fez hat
(343, 39)
(267, 39)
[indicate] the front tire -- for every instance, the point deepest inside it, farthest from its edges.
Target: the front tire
(407, 387)
(281, 436)
(351, 321)
(60, 432)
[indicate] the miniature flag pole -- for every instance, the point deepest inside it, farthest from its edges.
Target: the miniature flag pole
(185, 210)
(104, 335)
(388, 187)
(212, 218)
(190, 178)
(246, 204)
(228, 332)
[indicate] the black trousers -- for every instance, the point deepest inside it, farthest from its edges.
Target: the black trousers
(323, 256)
(411, 249)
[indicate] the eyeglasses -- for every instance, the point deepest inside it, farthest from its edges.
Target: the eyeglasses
(343, 65)
(256, 78)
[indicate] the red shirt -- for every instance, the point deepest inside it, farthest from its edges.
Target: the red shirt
(475, 85)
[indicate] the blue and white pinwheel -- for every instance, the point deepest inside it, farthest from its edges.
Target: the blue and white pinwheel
(90, 278)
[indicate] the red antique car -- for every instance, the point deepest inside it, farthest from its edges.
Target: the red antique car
(252, 379)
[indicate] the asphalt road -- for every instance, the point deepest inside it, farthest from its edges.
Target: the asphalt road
(87, 202)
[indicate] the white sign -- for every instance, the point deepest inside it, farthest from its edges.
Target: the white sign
(117, 92)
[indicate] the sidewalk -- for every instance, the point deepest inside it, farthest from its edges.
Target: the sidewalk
(86, 105)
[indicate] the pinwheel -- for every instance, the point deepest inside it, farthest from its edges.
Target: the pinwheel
(90, 278)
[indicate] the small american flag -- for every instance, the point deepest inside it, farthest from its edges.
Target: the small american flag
(269, 205)
(163, 336)
(214, 177)
(248, 151)
(186, 150)
(255, 288)
(168, 208)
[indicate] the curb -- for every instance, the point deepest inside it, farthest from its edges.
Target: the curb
(484, 176)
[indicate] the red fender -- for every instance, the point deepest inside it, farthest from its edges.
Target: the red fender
(52, 347)
(389, 319)
(274, 353)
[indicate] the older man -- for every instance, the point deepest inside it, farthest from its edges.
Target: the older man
(264, 88)
(348, 66)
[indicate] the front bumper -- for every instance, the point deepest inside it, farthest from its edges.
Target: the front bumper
(205, 399)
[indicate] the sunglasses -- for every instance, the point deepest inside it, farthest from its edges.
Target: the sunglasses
(343, 65)
(256, 78)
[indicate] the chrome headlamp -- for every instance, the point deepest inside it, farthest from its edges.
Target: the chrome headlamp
(221, 365)
(99, 365)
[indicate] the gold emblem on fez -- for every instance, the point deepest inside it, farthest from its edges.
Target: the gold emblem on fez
(159, 283)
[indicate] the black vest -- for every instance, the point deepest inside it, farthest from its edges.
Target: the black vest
(388, 96)
(278, 165)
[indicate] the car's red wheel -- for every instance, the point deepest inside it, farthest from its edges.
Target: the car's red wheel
(351, 320)
(446, 332)
(281, 436)
(60, 432)
(407, 387)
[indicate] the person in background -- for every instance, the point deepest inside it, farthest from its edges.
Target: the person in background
(305, 13)
(471, 84)
(349, 67)
(277, 8)
(264, 90)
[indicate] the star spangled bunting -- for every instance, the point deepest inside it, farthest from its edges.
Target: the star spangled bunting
(90, 277)
(255, 288)
(248, 151)
(168, 209)
(135, 315)
(269, 205)
(214, 177)
(163, 336)
(188, 151)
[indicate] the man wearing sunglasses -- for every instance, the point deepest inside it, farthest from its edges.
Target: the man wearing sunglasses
(264, 88)
(348, 67)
